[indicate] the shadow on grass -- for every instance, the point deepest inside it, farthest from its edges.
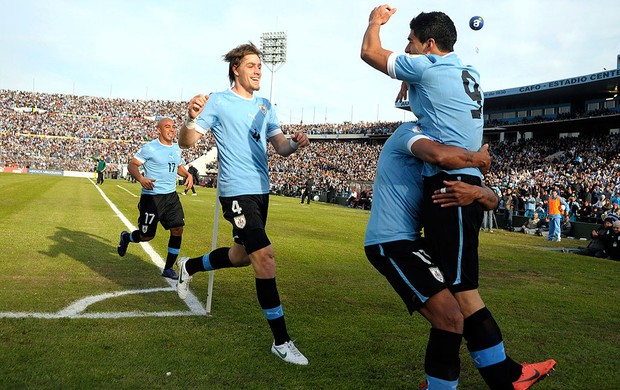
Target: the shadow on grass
(100, 255)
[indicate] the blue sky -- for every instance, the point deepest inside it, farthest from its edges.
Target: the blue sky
(173, 49)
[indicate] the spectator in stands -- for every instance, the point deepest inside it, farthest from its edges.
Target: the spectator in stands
(530, 205)
(488, 217)
(573, 207)
(365, 201)
(566, 227)
(510, 203)
(352, 199)
(532, 226)
(596, 247)
(612, 242)
(615, 199)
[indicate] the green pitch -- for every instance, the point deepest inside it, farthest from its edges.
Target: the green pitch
(75, 315)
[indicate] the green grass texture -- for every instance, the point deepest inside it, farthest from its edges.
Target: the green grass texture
(58, 246)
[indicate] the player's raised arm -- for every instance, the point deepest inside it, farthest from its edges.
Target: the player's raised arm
(285, 147)
(188, 134)
(372, 52)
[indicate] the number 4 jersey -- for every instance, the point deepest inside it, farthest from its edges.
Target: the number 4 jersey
(446, 97)
(160, 163)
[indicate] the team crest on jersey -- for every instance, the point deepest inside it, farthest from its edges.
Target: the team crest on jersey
(240, 221)
(263, 108)
(145, 228)
(436, 273)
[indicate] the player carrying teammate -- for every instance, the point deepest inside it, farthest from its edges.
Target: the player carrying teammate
(446, 97)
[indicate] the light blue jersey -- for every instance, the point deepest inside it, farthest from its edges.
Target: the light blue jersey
(160, 163)
(241, 128)
(446, 97)
(397, 192)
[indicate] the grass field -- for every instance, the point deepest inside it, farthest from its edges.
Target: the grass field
(58, 243)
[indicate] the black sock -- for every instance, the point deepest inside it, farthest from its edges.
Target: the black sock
(442, 355)
(174, 247)
(217, 259)
(486, 345)
(135, 236)
(269, 301)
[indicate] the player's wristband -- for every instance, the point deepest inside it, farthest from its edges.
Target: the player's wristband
(190, 123)
(293, 144)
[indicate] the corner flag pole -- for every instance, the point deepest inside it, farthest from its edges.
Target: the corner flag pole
(216, 218)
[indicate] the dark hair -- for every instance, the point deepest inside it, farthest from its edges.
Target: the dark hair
(235, 56)
(436, 25)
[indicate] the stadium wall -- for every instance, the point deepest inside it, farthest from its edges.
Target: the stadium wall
(52, 172)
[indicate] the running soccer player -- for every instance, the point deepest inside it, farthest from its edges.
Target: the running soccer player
(446, 97)
(159, 202)
(242, 124)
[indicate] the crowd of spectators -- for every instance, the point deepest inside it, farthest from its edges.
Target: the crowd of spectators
(63, 132)
(54, 131)
(585, 170)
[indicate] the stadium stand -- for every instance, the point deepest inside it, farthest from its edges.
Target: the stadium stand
(560, 134)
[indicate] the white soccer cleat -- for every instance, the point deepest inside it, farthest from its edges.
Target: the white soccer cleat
(184, 278)
(289, 353)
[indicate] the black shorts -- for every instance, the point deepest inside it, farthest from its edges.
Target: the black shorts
(166, 209)
(409, 269)
(452, 234)
(248, 215)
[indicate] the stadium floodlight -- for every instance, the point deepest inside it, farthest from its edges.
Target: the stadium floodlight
(273, 47)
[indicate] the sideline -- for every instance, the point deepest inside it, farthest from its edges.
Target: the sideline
(76, 309)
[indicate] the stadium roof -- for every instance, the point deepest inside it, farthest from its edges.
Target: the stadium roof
(574, 91)
(594, 86)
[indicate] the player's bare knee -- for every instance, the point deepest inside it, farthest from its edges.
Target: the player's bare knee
(264, 262)
(143, 238)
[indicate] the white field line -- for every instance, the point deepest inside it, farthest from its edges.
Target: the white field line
(75, 309)
(124, 189)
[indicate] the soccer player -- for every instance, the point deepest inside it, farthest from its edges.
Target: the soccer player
(394, 246)
(446, 97)
(161, 161)
(242, 124)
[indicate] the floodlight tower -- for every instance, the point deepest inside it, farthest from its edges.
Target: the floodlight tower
(273, 46)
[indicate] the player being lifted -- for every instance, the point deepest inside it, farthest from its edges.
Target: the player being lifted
(242, 124)
(159, 202)
(446, 97)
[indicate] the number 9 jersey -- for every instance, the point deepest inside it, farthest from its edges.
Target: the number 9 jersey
(446, 97)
